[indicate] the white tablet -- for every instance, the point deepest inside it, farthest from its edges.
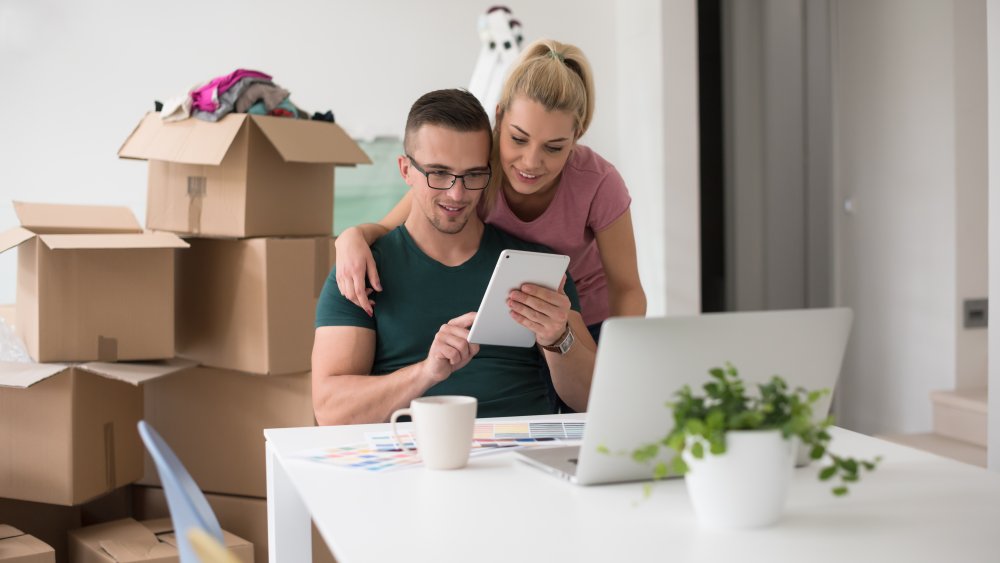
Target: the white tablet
(493, 324)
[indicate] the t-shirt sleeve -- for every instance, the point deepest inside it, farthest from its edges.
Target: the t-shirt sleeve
(333, 309)
(610, 201)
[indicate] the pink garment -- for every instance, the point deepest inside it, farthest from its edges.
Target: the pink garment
(590, 196)
(206, 98)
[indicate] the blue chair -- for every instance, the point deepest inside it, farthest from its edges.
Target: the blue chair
(188, 508)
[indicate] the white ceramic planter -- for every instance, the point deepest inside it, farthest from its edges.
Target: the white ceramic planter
(745, 487)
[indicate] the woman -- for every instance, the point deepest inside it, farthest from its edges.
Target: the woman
(546, 188)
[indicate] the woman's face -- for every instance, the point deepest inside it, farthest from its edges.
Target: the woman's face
(534, 145)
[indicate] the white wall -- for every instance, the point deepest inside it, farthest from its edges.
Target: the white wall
(904, 106)
(658, 140)
(993, 49)
(78, 76)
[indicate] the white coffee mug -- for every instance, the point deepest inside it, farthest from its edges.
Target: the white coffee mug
(444, 426)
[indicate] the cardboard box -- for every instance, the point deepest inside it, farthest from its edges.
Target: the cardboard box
(69, 432)
(51, 523)
(250, 305)
(244, 176)
(91, 285)
(214, 420)
(18, 547)
(244, 516)
(130, 541)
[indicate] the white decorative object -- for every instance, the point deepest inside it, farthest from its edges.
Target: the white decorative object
(746, 486)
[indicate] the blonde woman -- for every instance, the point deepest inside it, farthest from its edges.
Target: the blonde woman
(546, 188)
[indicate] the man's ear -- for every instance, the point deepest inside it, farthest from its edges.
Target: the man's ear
(404, 167)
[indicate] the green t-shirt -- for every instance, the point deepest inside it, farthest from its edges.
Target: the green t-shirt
(418, 295)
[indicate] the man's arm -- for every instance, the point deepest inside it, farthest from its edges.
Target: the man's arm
(342, 358)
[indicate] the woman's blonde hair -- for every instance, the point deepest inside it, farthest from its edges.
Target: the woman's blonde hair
(557, 76)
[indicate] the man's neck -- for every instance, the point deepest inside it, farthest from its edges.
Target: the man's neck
(448, 249)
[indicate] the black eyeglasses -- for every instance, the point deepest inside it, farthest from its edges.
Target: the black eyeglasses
(437, 180)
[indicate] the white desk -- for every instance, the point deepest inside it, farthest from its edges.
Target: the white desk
(915, 507)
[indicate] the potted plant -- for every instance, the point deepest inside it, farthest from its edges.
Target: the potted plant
(752, 441)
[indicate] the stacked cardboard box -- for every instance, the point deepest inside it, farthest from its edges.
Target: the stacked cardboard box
(92, 287)
(18, 547)
(95, 289)
(253, 196)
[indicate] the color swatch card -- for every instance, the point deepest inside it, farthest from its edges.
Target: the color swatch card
(362, 457)
(382, 452)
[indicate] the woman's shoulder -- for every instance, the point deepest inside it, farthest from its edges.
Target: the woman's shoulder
(586, 160)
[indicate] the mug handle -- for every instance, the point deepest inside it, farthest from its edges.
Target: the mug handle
(392, 420)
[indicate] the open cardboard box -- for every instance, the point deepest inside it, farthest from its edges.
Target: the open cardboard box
(51, 522)
(130, 541)
(69, 431)
(91, 285)
(18, 547)
(243, 176)
(250, 305)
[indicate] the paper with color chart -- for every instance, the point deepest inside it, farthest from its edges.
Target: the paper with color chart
(381, 452)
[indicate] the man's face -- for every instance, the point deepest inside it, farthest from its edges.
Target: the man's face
(439, 149)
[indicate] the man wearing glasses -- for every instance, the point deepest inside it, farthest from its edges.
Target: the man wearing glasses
(434, 270)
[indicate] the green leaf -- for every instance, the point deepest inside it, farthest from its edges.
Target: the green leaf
(660, 471)
(678, 467)
(697, 450)
(827, 472)
(601, 448)
(817, 452)
(695, 426)
(676, 442)
(840, 491)
(645, 453)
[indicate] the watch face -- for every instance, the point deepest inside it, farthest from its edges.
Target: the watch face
(567, 342)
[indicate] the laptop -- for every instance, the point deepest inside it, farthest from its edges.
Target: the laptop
(642, 362)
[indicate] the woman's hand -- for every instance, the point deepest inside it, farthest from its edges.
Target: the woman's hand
(542, 310)
(354, 263)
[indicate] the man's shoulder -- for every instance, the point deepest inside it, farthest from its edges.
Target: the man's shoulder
(390, 244)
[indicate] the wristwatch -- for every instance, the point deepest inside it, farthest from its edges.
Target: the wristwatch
(563, 344)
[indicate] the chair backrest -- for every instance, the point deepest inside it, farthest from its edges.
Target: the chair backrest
(188, 507)
(209, 549)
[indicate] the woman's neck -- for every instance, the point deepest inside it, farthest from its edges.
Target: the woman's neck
(528, 207)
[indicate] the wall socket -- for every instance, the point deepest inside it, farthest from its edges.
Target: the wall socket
(975, 313)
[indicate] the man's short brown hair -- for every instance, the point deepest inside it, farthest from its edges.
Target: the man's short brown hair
(454, 109)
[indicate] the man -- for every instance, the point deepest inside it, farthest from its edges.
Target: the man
(434, 270)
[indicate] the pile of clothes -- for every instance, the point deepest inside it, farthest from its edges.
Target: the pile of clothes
(241, 91)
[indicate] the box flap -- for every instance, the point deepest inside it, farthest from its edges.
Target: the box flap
(125, 540)
(23, 375)
(144, 240)
(315, 142)
(189, 141)
(14, 237)
(7, 531)
(43, 218)
(137, 373)
(159, 526)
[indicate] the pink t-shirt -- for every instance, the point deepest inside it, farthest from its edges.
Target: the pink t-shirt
(590, 196)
